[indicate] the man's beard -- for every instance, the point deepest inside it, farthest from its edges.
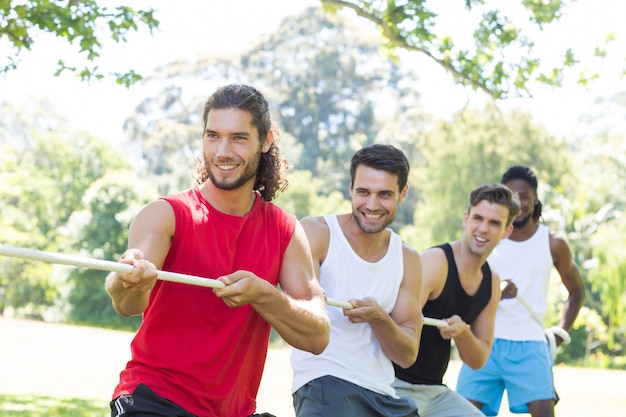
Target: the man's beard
(522, 222)
(365, 229)
(250, 172)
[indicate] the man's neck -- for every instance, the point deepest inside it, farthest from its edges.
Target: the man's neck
(237, 202)
(371, 247)
(520, 234)
(466, 260)
(469, 266)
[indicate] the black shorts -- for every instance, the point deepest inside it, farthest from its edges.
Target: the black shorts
(144, 402)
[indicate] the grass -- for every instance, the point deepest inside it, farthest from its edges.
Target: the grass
(70, 371)
(43, 406)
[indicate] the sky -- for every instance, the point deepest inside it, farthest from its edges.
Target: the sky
(192, 28)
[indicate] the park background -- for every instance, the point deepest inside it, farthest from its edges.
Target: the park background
(79, 158)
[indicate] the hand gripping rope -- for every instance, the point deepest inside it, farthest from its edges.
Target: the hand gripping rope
(101, 265)
(550, 332)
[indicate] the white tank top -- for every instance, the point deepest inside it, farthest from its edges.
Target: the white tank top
(353, 353)
(529, 265)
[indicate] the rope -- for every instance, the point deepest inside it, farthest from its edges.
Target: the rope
(549, 332)
(101, 265)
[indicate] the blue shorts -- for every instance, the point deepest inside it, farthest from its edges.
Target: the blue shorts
(330, 396)
(523, 368)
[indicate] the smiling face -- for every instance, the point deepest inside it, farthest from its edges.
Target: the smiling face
(375, 198)
(528, 201)
(232, 148)
(484, 226)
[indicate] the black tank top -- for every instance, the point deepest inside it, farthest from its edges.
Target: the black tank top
(434, 352)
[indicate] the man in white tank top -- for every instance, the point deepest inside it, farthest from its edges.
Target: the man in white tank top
(520, 359)
(361, 261)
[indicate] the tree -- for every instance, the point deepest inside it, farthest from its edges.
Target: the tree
(305, 197)
(80, 23)
(476, 147)
(608, 280)
(593, 216)
(168, 133)
(24, 285)
(328, 82)
(502, 60)
(329, 86)
(42, 181)
(100, 231)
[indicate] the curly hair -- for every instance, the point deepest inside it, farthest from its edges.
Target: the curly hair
(270, 177)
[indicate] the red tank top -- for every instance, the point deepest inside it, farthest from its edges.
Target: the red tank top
(191, 348)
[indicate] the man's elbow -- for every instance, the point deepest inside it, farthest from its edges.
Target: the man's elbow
(124, 311)
(321, 340)
(408, 359)
(476, 363)
(578, 297)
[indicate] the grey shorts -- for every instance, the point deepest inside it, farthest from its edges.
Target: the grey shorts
(330, 396)
(437, 400)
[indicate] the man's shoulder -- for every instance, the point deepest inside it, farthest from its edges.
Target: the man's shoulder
(270, 212)
(557, 241)
(409, 250)
(315, 226)
(437, 251)
(314, 220)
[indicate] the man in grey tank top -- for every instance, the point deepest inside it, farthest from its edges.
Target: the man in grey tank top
(361, 261)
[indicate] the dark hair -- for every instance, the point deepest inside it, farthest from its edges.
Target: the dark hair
(496, 194)
(522, 172)
(382, 157)
(272, 167)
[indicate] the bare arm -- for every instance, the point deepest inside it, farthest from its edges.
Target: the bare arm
(570, 275)
(474, 342)
(298, 312)
(149, 240)
(399, 332)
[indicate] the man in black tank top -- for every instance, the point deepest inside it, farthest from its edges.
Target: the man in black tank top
(459, 287)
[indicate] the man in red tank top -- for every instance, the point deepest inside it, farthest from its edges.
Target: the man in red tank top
(201, 351)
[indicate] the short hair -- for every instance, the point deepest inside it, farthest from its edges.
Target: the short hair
(496, 194)
(382, 157)
(525, 173)
(270, 177)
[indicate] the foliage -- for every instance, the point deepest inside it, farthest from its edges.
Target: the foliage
(38, 195)
(100, 230)
(342, 80)
(327, 99)
(472, 149)
(306, 197)
(588, 337)
(167, 130)
(502, 61)
(71, 192)
(594, 224)
(607, 280)
(82, 23)
(43, 406)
